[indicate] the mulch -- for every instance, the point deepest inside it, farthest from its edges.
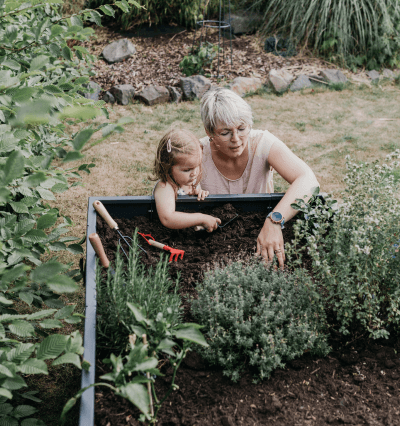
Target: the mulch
(356, 384)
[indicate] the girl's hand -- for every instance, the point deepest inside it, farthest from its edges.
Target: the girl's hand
(210, 223)
(201, 194)
(270, 243)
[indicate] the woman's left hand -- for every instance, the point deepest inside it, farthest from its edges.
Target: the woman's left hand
(270, 243)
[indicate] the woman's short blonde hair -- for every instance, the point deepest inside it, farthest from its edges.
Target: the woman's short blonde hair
(173, 143)
(223, 106)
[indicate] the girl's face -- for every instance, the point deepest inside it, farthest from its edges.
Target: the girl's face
(231, 140)
(187, 168)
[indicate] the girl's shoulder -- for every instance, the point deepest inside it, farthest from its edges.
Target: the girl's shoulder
(162, 187)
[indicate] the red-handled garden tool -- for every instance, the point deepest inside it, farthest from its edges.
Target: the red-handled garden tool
(175, 253)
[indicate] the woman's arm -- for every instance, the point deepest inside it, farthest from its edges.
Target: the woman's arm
(164, 196)
(302, 182)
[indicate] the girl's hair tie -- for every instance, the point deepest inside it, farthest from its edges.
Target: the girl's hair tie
(169, 145)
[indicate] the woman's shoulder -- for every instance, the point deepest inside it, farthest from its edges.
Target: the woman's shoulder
(261, 141)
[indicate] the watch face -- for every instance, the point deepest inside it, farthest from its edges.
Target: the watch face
(276, 216)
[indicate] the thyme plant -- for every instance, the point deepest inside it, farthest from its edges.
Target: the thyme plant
(133, 282)
(353, 253)
(257, 316)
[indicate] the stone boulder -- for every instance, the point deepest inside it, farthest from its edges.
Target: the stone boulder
(301, 82)
(175, 94)
(123, 93)
(280, 80)
(333, 76)
(194, 86)
(152, 95)
(244, 22)
(118, 50)
(387, 73)
(95, 90)
(374, 75)
(243, 85)
(108, 97)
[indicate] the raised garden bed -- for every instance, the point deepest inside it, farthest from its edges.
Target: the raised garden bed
(356, 384)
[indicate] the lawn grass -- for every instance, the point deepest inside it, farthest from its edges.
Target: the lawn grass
(321, 126)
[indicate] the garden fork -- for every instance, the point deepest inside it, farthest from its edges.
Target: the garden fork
(175, 253)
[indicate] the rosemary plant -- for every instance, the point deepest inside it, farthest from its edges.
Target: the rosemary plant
(133, 282)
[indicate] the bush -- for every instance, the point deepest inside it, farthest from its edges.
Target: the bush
(134, 283)
(258, 316)
(354, 253)
(355, 33)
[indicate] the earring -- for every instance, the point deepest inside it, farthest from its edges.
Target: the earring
(211, 139)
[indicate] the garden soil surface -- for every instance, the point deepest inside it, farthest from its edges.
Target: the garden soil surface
(356, 384)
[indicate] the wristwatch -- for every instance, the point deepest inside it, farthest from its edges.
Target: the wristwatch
(277, 218)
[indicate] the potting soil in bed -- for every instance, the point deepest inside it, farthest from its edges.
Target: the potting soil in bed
(356, 384)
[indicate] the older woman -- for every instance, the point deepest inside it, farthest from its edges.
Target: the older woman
(238, 160)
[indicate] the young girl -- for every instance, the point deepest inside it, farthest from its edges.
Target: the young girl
(178, 168)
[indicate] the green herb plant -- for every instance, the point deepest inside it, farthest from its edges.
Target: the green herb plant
(353, 248)
(133, 282)
(199, 59)
(132, 372)
(258, 317)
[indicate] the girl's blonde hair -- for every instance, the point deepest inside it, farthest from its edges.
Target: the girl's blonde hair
(173, 143)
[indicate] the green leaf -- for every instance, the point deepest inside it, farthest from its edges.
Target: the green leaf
(96, 17)
(75, 343)
(24, 411)
(14, 167)
(66, 53)
(24, 226)
(5, 393)
(73, 156)
(35, 236)
(137, 394)
(59, 188)
(57, 246)
(68, 358)
(5, 301)
(70, 403)
(75, 249)
(23, 94)
(41, 314)
(46, 221)
(81, 138)
(19, 207)
(5, 195)
(75, 20)
(65, 312)
(8, 421)
(52, 346)
(51, 88)
(56, 30)
(10, 63)
(5, 409)
(47, 270)
(39, 62)
(26, 297)
(12, 274)
(137, 312)
(192, 334)
(107, 10)
(62, 284)
(51, 323)
(81, 112)
(45, 194)
(33, 366)
(4, 370)
(146, 365)
(122, 6)
(22, 328)
(35, 179)
(14, 383)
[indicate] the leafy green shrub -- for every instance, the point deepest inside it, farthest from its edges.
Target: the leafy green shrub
(158, 12)
(357, 33)
(258, 316)
(135, 283)
(129, 373)
(353, 253)
(198, 59)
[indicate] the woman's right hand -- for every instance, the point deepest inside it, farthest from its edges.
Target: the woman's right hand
(210, 223)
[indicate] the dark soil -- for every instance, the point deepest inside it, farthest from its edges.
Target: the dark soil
(357, 384)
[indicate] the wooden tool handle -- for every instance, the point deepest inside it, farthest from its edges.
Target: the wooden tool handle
(102, 211)
(98, 248)
(156, 244)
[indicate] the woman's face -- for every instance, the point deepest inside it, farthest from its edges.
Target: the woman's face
(187, 168)
(230, 140)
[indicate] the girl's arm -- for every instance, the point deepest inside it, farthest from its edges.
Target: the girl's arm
(302, 182)
(164, 196)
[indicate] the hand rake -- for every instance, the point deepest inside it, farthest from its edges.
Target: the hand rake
(99, 250)
(102, 211)
(175, 253)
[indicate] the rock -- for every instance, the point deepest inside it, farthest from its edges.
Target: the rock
(374, 75)
(333, 76)
(95, 89)
(194, 86)
(244, 22)
(243, 85)
(280, 80)
(108, 97)
(317, 80)
(175, 94)
(280, 46)
(152, 95)
(386, 73)
(301, 82)
(123, 93)
(118, 50)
